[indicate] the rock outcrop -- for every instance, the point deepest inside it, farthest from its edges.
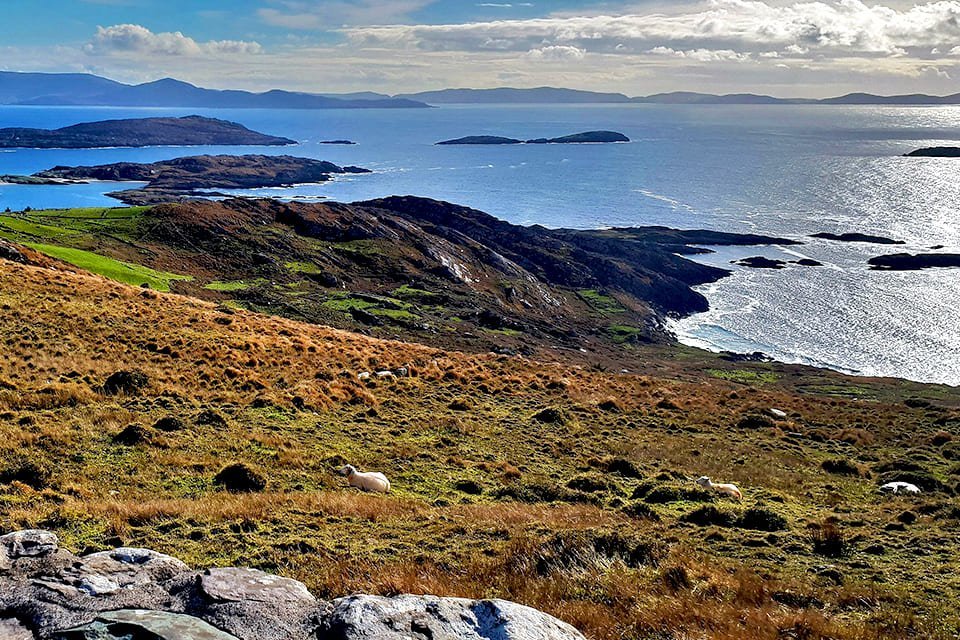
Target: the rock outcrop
(935, 152)
(48, 593)
(856, 237)
(140, 132)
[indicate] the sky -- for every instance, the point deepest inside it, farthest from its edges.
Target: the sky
(785, 48)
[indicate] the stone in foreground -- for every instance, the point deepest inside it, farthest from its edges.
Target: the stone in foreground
(431, 618)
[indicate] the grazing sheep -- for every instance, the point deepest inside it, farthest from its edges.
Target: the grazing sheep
(900, 487)
(386, 374)
(726, 489)
(369, 481)
(402, 372)
(364, 376)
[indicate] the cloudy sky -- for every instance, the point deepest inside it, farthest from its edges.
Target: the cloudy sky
(780, 47)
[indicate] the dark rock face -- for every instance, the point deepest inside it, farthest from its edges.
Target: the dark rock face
(184, 178)
(911, 262)
(9, 251)
(935, 152)
(143, 132)
(587, 137)
(48, 593)
(856, 237)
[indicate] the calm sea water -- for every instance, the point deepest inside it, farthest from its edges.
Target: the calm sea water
(788, 171)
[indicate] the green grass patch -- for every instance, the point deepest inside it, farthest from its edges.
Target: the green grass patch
(406, 292)
(232, 285)
(600, 302)
(108, 267)
(303, 267)
(505, 332)
(23, 225)
(622, 333)
(346, 303)
(744, 376)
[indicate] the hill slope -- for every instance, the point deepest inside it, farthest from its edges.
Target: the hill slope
(549, 484)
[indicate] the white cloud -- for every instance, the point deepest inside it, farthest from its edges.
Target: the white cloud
(557, 53)
(835, 29)
(134, 39)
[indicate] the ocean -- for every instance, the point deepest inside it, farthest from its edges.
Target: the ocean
(787, 171)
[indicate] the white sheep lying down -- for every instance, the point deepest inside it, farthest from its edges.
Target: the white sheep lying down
(899, 487)
(366, 481)
(726, 489)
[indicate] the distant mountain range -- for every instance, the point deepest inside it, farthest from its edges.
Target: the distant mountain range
(72, 89)
(544, 95)
(68, 89)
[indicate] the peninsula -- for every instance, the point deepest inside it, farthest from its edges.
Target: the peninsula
(185, 178)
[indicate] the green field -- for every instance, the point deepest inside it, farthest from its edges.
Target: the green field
(108, 267)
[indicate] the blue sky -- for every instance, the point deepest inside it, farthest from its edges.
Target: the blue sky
(780, 47)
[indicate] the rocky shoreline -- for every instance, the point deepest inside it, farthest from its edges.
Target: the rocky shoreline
(49, 593)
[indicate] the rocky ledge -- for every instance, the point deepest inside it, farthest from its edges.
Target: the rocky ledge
(587, 137)
(48, 593)
(139, 132)
(190, 177)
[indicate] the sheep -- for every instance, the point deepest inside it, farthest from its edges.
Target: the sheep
(900, 487)
(364, 375)
(386, 374)
(726, 489)
(369, 481)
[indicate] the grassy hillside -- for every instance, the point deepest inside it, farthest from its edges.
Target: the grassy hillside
(563, 487)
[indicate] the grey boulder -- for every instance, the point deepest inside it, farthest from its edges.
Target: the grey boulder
(410, 617)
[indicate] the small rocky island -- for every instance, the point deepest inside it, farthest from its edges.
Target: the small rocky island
(856, 237)
(141, 132)
(190, 177)
(914, 262)
(587, 137)
(935, 152)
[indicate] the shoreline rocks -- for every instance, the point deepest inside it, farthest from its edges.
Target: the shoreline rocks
(856, 237)
(48, 593)
(934, 152)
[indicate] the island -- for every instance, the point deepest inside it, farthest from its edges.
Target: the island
(587, 137)
(760, 262)
(856, 237)
(193, 176)
(935, 152)
(913, 262)
(140, 132)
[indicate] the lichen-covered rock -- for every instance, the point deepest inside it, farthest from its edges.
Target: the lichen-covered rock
(432, 618)
(133, 624)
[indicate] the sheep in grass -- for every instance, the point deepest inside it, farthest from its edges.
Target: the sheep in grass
(726, 489)
(368, 481)
(900, 487)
